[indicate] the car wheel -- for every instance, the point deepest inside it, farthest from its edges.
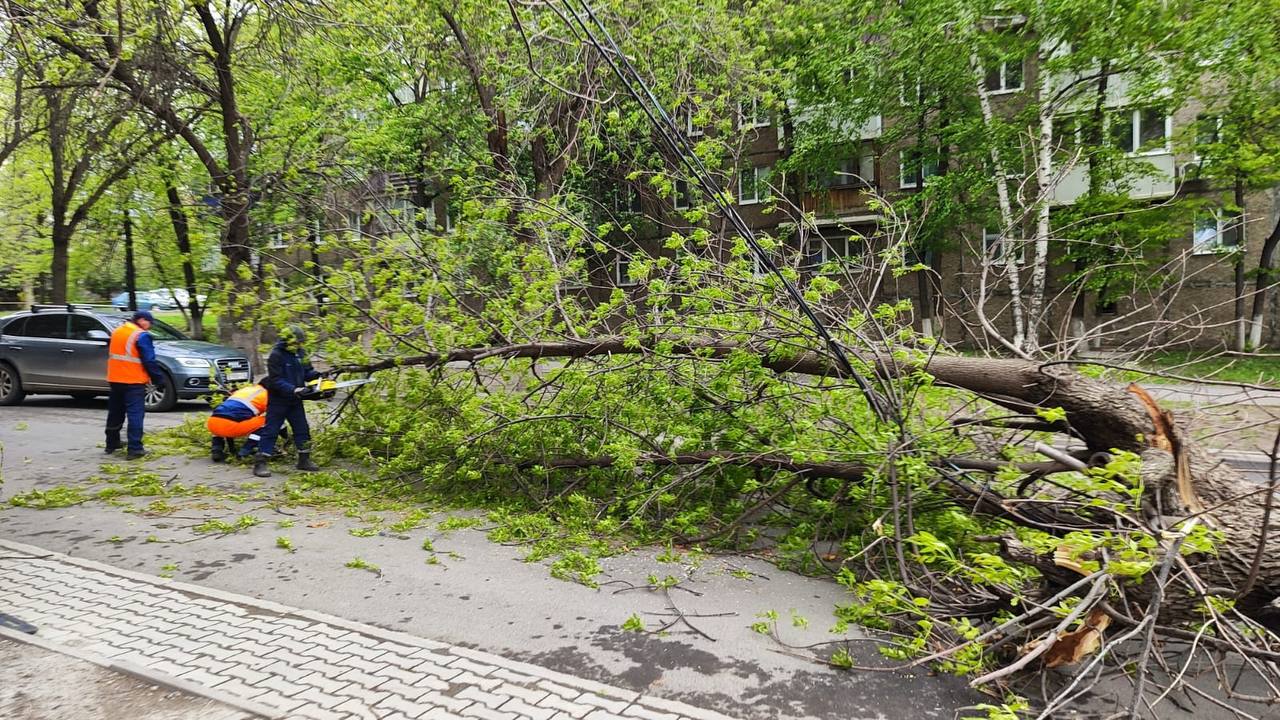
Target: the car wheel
(11, 392)
(161, 397)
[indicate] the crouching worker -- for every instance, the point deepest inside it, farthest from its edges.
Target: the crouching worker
(286, 383)
(241, 415)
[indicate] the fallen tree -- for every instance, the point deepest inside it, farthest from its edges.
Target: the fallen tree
(1218, 593)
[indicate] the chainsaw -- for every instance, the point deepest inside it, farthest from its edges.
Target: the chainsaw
(323, 388)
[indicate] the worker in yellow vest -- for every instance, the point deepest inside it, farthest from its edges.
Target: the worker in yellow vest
(131, 364)
(241, 415)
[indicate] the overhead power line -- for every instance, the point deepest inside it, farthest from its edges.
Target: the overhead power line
(679, 146)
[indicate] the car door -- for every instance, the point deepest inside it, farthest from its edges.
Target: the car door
(88, 338)
(39, 354)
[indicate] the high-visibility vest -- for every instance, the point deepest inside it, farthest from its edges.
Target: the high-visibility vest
(124, 364)
(253, 397)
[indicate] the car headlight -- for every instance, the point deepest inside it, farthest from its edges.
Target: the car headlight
(193, 362)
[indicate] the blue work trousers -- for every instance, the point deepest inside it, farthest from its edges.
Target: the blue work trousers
(126, 400)
(278, 411)
(228, 445)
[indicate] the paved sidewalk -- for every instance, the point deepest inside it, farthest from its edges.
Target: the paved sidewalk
(291, 663)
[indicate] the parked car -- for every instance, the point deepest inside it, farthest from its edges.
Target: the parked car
(63, 350)
(158, 299)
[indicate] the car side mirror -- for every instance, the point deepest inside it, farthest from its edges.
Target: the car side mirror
(100, 335)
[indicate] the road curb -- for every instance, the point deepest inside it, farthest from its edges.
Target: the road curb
(144, 674)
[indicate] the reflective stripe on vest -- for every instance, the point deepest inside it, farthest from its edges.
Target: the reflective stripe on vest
(248, 397)
(124, 364)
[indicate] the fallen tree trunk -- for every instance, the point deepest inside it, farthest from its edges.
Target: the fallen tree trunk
(1180, 478)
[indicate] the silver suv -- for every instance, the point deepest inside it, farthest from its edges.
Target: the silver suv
(63, 350)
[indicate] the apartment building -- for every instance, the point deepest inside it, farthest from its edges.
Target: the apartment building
(1187, 295)
(1190, 299)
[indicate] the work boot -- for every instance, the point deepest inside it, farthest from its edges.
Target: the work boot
(113, 442)
(135, 454)
(260, 468)
(218, 455)
(304, 462)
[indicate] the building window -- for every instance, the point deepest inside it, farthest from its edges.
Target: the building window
(1004, 76)
(683, 199)
(354, 225)
(993, 248)
(277, 241)
(911, 163)
(626, 199)
(1140, 130)
(1214, 232)
(622, 270)
(688, 124)
(753, 114)
(1208, 132)
(857, 171)
(753, 185)
(1066, 135)
(819, 250)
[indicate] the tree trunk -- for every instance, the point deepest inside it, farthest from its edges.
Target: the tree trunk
(239, 281)
(58, 268)
(1267, 277)
(130, 270)
(1241, 343)
(182, 234)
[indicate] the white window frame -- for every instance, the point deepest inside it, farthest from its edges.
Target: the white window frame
(620, 268)
(355, 224)
(1223, 223)
(690, 129)
(992, 238)
(1135, 130)
(448, 220)
(906, 182)
(1005, 88)
(682, 200)
(277, 241)
(760, 176)
(829, 249)
(749, 112)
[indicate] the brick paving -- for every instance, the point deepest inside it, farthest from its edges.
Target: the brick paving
(294, 663)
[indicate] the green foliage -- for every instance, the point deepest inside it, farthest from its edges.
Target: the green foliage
(576, 567)
(284, 543)
(222, 527)
(361, 564)
(1012, 709)
(61, 496)
(633, 624)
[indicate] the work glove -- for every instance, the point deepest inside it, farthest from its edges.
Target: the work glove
(300, 391)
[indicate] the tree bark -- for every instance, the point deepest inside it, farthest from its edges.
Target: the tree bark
(1267, 277)
(182, 235)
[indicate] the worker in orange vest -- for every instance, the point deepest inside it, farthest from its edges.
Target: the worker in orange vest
(131, 364)
(241, 414)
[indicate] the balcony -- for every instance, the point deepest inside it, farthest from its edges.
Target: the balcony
(848, 201)
(1158, 180)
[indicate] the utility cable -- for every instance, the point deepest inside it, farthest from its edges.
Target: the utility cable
(680, 147)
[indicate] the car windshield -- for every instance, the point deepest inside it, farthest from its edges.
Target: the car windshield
(159, 330)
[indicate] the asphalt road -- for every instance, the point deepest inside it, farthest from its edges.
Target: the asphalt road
(480, 594)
